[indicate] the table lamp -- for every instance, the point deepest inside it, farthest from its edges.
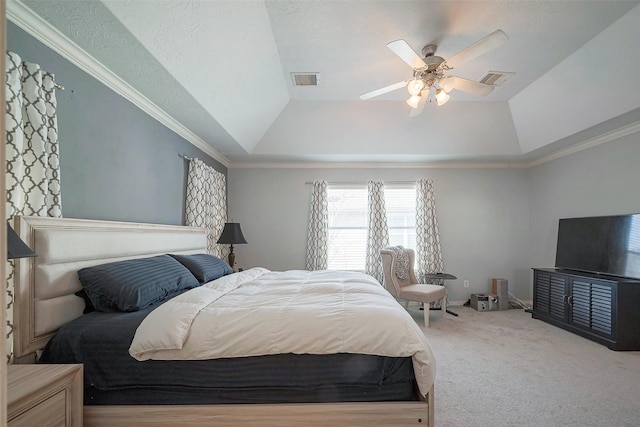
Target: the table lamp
(231, 235)
(16, 248)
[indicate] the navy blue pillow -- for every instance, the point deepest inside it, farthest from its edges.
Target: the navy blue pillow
(204, 266)
(134, 284)
(88, 305)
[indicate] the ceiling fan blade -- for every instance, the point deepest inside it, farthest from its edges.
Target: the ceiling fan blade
(480, 47)
(385, 89)
(408, 55)
(448, 83)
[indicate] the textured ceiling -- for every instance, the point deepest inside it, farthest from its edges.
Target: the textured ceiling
(222, 69)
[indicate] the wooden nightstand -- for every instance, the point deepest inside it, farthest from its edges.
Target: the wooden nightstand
(44, 395)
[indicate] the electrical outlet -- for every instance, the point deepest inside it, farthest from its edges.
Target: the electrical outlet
(466, 283)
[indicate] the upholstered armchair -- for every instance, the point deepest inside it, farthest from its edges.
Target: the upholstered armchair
(403, 285)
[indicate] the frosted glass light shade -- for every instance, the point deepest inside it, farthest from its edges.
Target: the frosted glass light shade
(442, 97)
(413, 101)
(415, 87)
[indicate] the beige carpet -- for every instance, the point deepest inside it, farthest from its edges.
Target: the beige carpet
(507, 369)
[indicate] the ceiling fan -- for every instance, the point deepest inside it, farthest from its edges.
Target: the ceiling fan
(430, 72)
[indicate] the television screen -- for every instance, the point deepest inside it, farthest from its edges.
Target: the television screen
(605, 245)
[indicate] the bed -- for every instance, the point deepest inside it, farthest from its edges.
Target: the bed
(46, 303)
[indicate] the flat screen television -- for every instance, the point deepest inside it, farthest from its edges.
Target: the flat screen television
(604, 244)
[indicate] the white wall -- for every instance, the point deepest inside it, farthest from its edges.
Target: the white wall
(483, 217)
(493, 222)
(576, 94)
(603, 180)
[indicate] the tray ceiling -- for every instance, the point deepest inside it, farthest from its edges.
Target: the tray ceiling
(222, 69)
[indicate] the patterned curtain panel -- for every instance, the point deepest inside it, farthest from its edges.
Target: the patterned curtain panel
(429, 254)
(33, 167)
(206, 204)
(318, 238)
(378, 231)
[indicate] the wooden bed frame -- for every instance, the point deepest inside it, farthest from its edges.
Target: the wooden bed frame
(45, 300)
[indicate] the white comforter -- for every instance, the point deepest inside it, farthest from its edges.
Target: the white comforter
(258, 312)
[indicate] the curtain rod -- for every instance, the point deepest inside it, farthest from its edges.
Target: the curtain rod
(362, 182)
(184, 157)
(58, 86)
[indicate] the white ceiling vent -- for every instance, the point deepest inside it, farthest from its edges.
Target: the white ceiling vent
(305, 79)
(496, 78)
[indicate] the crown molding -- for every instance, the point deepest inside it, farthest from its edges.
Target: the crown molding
(379, 165)
(33, 24)
(621, 132)
(610, 136)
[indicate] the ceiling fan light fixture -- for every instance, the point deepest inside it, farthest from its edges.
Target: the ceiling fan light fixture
(415, 86)
(413, 101)
(430, 80)
(442, 97)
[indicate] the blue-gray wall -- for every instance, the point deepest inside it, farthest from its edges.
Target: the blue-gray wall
(116, 162)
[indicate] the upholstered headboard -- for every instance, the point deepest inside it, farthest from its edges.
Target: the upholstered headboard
(45, 285)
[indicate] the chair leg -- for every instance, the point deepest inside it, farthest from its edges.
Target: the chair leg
(443, 305)
(426, 315)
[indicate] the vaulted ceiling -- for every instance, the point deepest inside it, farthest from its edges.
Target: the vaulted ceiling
(222, 71)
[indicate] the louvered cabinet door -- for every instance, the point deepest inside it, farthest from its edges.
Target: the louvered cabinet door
(550, 294)
(591, 306)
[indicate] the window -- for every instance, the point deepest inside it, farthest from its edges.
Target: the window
(348, 223)
(400, 203)
(347, 228)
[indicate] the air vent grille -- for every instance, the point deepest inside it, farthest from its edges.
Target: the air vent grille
(305, 79)
(496, 78)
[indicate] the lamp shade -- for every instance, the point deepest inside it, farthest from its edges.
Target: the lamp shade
(442, 97)
(415, 86)
(16, 248)
(413, 101)
(231, 234)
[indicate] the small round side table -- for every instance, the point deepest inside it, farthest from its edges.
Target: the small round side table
(438, 279)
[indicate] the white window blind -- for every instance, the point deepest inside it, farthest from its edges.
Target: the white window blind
(401, 215)
(347, 228)
(348, 223)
